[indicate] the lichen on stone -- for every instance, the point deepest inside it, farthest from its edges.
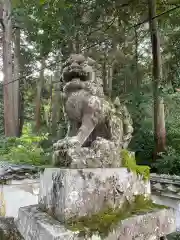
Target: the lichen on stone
(97, 128)
(129, 162)
(105, 221)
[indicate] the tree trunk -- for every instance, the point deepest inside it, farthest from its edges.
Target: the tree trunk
(104, 76)
(9, 118)
(159, 121)
(56, 100)
(136, 61)
(38, 96)
(16, 95)
(21, 117)
(109, 80)
(161, 127)
(76, 44)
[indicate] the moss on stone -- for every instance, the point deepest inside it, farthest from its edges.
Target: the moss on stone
(129, 162)
(105, 221)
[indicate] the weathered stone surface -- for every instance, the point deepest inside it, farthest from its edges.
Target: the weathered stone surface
(98, 128)
(166, 185)
(103, 153)
(169, 202)
(166, 190)
(65, 193)
(36, 225)
(150, 226)
(8, 230)
(9, 171)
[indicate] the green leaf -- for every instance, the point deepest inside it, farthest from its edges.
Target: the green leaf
(42, 1)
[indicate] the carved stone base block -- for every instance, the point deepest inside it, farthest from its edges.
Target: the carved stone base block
(36, 225)
(65, 193)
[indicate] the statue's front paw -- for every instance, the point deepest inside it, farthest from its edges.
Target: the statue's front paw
(73, 142)
(57, 145)
(70, 142)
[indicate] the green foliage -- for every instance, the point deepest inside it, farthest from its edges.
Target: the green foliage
(50, 27)
(25, 149)
(143, 143)
(105, 221)
(173, 121)
(129, 162)
(173, 134)
(168, 163)
(174, 236)
(140, 106)
(6, 144)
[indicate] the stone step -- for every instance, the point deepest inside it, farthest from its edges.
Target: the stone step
(65, 193)
(34, 224)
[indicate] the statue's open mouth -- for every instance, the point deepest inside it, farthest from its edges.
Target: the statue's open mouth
(76, 72)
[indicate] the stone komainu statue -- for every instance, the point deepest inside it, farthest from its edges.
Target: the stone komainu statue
(97, 129)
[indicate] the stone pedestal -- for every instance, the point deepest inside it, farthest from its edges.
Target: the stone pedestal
(36, 225)
(66, 193)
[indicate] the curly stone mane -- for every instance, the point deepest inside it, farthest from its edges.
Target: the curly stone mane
(96, 126)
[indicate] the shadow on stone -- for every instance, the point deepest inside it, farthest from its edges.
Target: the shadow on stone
(8, 230)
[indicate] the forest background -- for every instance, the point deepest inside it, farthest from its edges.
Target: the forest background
(137, 45)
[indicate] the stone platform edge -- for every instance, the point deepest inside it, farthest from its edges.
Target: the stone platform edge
(36, 225)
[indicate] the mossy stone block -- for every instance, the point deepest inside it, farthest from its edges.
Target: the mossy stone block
(65, 193)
